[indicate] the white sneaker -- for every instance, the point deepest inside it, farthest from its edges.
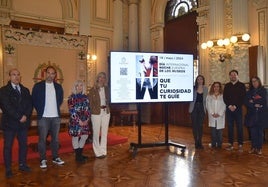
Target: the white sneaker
(229, 148)
(58, 161)
(259, 152)
(43, 164)
(240, 148)
(252, 150)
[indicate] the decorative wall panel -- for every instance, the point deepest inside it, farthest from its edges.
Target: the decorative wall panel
(102, 46)
(101, 12)
(31, 52)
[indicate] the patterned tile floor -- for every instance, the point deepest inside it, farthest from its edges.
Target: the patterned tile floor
(151, 167)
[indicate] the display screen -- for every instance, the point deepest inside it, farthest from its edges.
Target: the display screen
(138, 77)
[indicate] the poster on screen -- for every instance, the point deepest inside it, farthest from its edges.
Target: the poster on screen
(139, 77)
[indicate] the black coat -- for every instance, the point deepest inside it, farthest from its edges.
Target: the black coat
(259, 115)
(14, 106)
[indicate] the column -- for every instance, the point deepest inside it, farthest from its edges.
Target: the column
(84, 27)
(145, 24)
(262, 13)
(118, 25)
(133, 25)
(240, 26)
(203, 35)
(240, 15)
(216, 16)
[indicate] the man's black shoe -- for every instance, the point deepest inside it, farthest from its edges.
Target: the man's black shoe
(9, 174)
(24, 168)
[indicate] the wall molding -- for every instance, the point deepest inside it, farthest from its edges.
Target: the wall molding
(19, 36)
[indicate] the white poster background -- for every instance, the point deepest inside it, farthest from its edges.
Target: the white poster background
(169, 80)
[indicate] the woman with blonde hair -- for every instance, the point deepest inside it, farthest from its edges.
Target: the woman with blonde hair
(100, 114)
(78, 104)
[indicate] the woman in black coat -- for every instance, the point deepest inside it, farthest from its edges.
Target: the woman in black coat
(256, 102)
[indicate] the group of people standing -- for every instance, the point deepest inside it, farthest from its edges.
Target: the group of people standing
(17, 103)
(82, 109)
(226, 103)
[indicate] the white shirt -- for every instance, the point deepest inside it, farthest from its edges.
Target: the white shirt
(102, 96)
(51, 101)
(216, 105)
(14, 86)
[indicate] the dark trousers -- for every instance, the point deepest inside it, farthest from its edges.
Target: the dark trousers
(235, 118)
(9, 136)
(216, 137)
(197, 117)
(256, 133)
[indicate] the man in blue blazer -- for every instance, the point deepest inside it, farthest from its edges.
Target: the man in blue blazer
(47, 97)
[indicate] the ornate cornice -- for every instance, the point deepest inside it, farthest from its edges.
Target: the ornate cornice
(156, 30)
(202, 20)
(201, 9)
(260, 3)
(157, 26)
(4, 16)
(19, 36)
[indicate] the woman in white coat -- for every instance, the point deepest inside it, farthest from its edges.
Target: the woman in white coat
(216, 113)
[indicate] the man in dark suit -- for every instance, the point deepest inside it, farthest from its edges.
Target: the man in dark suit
(16, 105)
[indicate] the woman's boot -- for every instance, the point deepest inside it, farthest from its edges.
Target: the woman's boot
(78, 155)
(83, 156)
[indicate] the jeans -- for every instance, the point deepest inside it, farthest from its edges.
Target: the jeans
(45, 126)
(256, 133)
(197, 117)
(216, 137)
(235, 117)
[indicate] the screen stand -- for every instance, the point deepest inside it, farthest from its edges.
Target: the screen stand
(134, 146)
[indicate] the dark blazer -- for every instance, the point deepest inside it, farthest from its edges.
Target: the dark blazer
(39, 97)
(14, 106)
(234, 94)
